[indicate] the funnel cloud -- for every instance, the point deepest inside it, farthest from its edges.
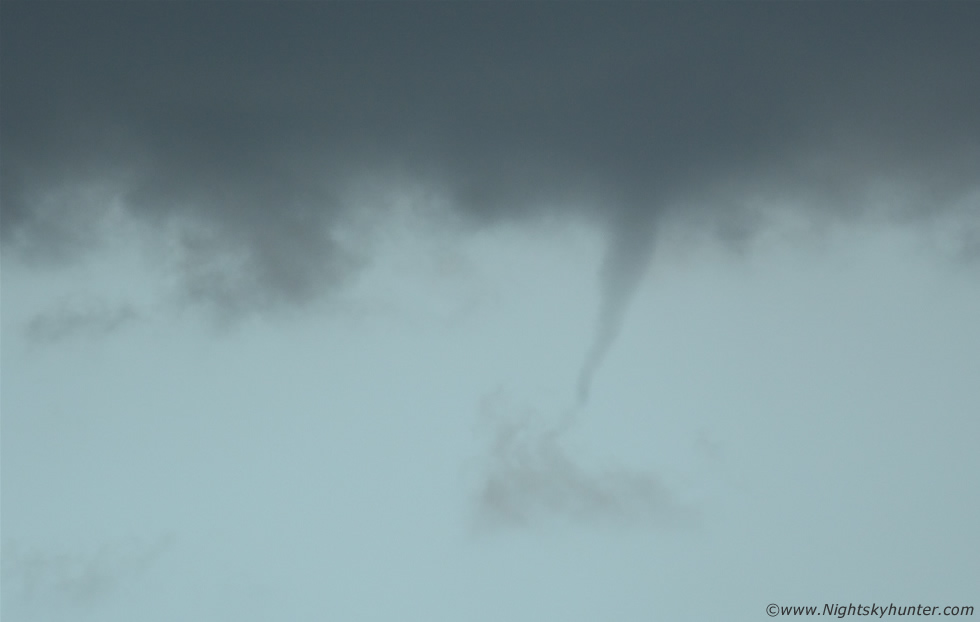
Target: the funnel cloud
(625, 262)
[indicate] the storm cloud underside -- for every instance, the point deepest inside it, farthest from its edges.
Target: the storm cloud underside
(247, 132)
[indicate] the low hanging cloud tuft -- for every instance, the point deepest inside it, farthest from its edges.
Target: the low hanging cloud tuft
(38, 581)
(73, 318)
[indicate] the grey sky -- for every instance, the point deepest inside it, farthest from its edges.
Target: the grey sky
(514, 310)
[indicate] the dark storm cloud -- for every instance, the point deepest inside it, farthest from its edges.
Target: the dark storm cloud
(245, 130)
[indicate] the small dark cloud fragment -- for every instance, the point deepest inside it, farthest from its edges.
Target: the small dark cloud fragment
(530, 480)
(36, 579)
(75, 319)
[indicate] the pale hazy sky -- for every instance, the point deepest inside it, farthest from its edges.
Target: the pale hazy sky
(498, 311)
